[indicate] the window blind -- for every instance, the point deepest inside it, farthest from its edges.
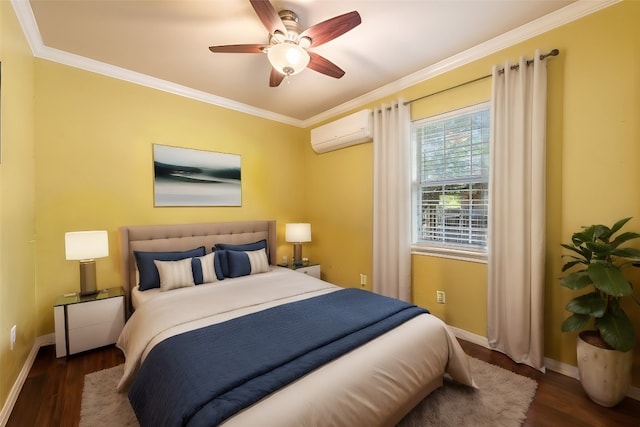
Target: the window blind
(452, 165)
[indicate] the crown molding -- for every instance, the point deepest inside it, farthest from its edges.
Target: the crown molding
(548, 22)
(29, 26)
(556, 19)
(109, 70)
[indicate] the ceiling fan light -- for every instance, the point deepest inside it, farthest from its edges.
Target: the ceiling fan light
(278, 37)
(304, 42)
(288, 58)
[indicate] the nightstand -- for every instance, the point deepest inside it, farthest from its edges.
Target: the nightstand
(312, 270)
(86, 322)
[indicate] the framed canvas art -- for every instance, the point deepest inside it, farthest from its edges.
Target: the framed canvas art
(190, 177)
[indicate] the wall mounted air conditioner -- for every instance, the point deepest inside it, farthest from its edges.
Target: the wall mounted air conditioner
(345, 132)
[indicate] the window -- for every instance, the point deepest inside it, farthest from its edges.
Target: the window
(451, 182)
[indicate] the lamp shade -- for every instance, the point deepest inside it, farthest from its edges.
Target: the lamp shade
(288, 58)
(84, 245)
(298, 232)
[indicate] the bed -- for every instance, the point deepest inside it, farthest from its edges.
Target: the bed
(375, 381)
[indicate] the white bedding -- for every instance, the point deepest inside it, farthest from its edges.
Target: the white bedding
(375, 384)
(139, 297)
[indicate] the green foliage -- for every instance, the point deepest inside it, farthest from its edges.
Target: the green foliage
(596, 259)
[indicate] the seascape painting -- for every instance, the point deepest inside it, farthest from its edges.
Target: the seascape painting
(189, 177)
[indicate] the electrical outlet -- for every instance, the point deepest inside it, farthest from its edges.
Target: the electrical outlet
(13, 336)
(440, 297)
(363, 280)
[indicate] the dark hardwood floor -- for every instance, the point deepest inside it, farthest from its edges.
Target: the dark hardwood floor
(52, 393)
(560, 400)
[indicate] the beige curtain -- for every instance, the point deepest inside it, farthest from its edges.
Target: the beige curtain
(517, 211)
(392, 201)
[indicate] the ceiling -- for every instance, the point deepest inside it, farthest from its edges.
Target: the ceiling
(165, 44)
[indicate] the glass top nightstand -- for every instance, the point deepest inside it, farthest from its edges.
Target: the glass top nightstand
(297, 266)
(75, 298)
(85, 322)
(309, 268)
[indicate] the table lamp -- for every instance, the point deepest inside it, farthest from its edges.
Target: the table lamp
(85, 246)
(297, 233)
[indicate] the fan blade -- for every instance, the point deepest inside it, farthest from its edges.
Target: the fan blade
(324, 66)
(269, 17)
(239, 48)
(275, 78)
(331, 28)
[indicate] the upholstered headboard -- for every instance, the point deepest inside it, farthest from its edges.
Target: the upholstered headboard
(180, 237)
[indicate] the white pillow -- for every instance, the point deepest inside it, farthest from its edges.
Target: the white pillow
(258, 260)
(174, 274)
(208, 268)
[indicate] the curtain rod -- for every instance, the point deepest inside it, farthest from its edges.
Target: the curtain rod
(554, 52)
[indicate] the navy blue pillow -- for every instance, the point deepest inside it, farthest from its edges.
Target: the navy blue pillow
(239, 264)
(196, 267)
(222, 247)
(255, 246)
(149, 277)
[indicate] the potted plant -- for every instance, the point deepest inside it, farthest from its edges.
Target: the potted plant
(607, 337)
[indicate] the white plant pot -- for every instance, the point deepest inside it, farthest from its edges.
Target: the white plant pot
(605, 374)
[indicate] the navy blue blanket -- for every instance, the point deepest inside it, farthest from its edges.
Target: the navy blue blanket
(202, 377)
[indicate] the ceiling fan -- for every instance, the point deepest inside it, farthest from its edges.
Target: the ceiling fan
(288, 46)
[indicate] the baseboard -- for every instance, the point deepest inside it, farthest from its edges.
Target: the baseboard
(634, 393)
(469, 336)
(562, 368)
(22, 376)
(551, 364)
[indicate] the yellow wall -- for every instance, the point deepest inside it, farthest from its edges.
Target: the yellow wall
(601, 136)
(339, 187)
(17, 279)
(94, 167)
(465, 306)
(593, 148)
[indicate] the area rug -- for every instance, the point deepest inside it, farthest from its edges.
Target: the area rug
(501, 401)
